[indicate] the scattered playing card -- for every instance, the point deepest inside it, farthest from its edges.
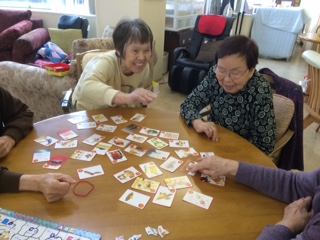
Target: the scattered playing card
(133, 149)
(131, 128)
(179, 143)
(127, 174)
(99, 118)
(198, 199)
(116, 156)
(186, 152)
(90, 172)
(164, 196)
(66, 144)
(55, 162)
(83, 155)
(169, 135)
(106, 128)
(93, 139)
(135, 199)
(149, 131)
(119, 119)
(157, 143)
(206, 154)
(171, 164)
(136, 138)
(102, 148)
(78, 119)
(220, 181)
(67, 134)
(158, 154)
(119, 142)
(185, 165)
(178, 182)
(150, 169)
(138, 117)
(86, 125)
(145, 185)
(41, 155)
(46, 140)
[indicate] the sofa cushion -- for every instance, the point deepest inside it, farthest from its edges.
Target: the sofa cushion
(8, 36)
(11, 17)
(64, 37)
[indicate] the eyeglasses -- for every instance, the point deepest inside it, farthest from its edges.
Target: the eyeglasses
(234, 75)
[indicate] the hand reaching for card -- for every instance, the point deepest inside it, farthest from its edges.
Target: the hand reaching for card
(138, 96)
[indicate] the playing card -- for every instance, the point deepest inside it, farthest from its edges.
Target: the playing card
(179, 143)
(178, 182)
(220, 181)
(149, 131)
(206, 154)
(41, 155)
(145, 185)
(164, 196)
(86, 125)
(119, 119)
(158, 154)
(186, 152)
(185, 165)
(119, 142)
(55, 162)
(150, 169)
(83, 155)
(131, 128)
(93, 139)
(78, 119)
(136, 138)
(135, 199)
(127, 174)
(138, 117)
(99, 118)
(116, 156)
(102, 148)
(67, 134)
(106, 128)
(198, 199)
(169, 135)
(157, 143)
(66, 144)
(46, 140)
(133, 149)
(90, 172)
(171, 164)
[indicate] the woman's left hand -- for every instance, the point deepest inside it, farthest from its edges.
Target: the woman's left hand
(209, 128)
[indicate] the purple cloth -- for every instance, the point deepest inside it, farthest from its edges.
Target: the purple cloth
(285, 186)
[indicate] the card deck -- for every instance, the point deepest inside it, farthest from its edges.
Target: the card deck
(149, 131)
(41, 155)
(102, 148)
(78, 119)
(179, 143)
(135, 199)
(131, 128)
(46, 140)
(86, 125)
(116, 156)
(83, 155)
(66, 144)
(138, 117)
(133, 149)
(150, 169)
(178, 182)
(158, 154)
(99, 118)
(93, 139)
(119, 142)
(119, 119)
(186, 152)
(145, 185)
(55, 162)
(90, 172)
(185, 165)
(157, 143)
(198, 199)
(169, 135)
(136, 138)
(220, 181)
(171, 164)
(127, 174)
(67, 134)
(164, 196)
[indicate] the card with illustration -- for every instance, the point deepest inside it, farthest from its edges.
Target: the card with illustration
(78, 119)
(206, 154)
(157, 143)
(90, 172)
(119, 142)
(138, 117)
(93, 139)
(171, 164)
(135, 199)
(83, 155)
(150, 169)
(178, 182)
(119, 119)
(149, 131)
(42, 155)
(67, 134)
(179, 143)
(136, 150)
(131, 128)
(127, 174)
(56, 162)
(169, 135)
(66, 144)
(186, 164)
(198, 199)
(102, 148)
(99, 118)
(46, 140)
(116, 156)
(164, 196)
(158, 154)
(86, 125)
(145, 185)
(106, 128)
(186, 152)
(219, 181)
(136, 138)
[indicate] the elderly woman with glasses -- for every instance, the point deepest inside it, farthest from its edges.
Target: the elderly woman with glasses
(239, 97)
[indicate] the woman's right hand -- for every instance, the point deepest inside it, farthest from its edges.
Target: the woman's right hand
(209, 128)
(138, 96)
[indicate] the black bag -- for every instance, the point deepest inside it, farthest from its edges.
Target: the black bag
(74, 22)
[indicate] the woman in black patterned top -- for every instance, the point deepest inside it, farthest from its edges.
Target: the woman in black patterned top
(240, 98)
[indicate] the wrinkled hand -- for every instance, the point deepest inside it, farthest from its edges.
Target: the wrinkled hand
(141, 95)
(209, 128)
(215, 166)
(6, 144)
(297, 215)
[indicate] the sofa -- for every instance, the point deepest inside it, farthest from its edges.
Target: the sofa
(20, 36)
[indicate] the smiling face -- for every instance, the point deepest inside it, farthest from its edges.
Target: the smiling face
(232, 73)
